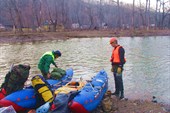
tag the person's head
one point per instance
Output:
(57, 53)
(113, 42)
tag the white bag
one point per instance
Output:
(8, 109)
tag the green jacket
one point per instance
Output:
(45, 61)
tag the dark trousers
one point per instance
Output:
(119, 89)
(44, 74)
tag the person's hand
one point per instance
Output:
(112, 69)
(56, 66)
(48, 75)
(119, 70)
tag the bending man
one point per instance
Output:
(45, 61)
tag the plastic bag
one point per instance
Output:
(8, 109)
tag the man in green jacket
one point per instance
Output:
(45, 61)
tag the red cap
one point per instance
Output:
(112, 40)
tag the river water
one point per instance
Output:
(146, 72)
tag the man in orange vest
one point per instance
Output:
(117, 60)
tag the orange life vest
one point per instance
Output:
(115, 58)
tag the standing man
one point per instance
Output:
(117, 60)
(45, 61)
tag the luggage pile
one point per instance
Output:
(56, 95)
(26, 98)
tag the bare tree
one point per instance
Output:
(64, 12)
(164, 13)
(169, 22)
(53, 15)
(100, 14)
(141, 13)
(37, 12)
(156, 13)
(11, 15)
(148, 20)
(146, 13)
(17, 14)
(90, 14)
(133, 13)
(77, 12)
(118, 13)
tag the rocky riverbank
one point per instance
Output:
(133, 106)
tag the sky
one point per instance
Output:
(152, 2)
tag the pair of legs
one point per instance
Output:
(44, 74)
(119, 89)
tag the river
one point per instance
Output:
(146, 72)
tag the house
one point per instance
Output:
(75, 25)
(2, 28)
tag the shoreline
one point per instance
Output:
(10, 37)
(132, 106)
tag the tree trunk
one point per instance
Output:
(156, 14)
(118, 12)
(163, 14)
(37, 13)
(133, 26)
(146, 14)
(18, 16)
(141, 14)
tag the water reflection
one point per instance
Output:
(146, 71)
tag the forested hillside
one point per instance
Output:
(84, 14)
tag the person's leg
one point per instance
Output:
(44, 74)
(116, 85)
(120, 86)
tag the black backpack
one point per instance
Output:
(15, 78)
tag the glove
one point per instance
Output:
(119, 70)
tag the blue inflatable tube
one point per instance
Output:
(25, 99)
(91, 95)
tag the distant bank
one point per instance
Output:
(10, 37)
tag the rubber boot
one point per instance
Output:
(121, 95)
